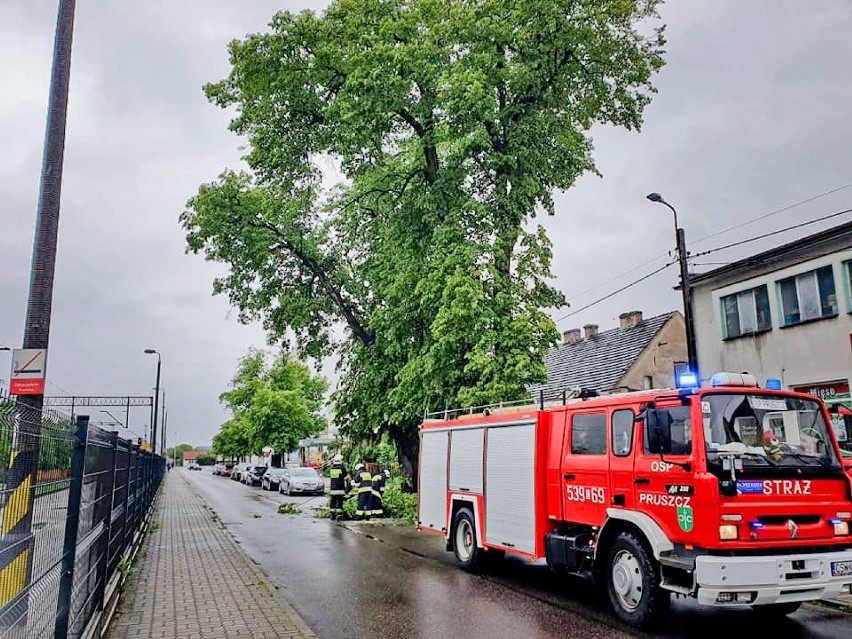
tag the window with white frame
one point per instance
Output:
(746, 312)
(808, 296)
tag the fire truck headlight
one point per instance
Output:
(728, 532)
(840, 527)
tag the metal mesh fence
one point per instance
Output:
(72, 498)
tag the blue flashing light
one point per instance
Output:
(834, 522)
(773, 384)
(756, 524)
(687, 379)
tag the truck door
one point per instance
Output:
(622, 435)
(662, 489)
(585, 468)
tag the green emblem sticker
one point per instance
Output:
(684, 518)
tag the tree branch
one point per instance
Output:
(346, 307)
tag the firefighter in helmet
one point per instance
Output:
(363, 483)
(378, 490)
(337, 488)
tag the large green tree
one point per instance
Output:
(275, 403)
(451, 124)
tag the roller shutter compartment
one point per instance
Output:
(510, 487)
(432, 486)
(466, 460)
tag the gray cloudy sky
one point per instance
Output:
(751, 115)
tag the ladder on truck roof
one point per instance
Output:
(563, 398)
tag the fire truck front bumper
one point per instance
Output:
(731, 581)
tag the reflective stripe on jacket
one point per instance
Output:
(337, 474)
(364, 481)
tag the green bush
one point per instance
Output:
(397, 503)
(350, 504)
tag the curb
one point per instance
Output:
(835, 604)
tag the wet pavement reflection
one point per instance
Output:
(357, 580)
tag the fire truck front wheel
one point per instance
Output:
(633, 583)
(468, 555)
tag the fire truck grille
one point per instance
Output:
(780, 520)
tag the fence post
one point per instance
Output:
(72, 524)
(125, 512)
(103, 565)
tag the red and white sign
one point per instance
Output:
(28, 366)
(827, 390)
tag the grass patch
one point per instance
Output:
(289, 509)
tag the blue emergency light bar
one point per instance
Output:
(687, 379)
(773, 384)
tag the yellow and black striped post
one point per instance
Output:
(14, 544)
(23, 424)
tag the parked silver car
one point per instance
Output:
(253, 474)
(301, 480)
(239, 469)
(272, 478)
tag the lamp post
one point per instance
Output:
(151, 351)
(680, 239)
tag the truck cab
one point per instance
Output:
(730, 494)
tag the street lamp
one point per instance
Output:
(151, 351)
(680, 238)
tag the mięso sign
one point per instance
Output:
(826, 391)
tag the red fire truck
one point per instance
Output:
(731, 494)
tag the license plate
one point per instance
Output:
(841, 568)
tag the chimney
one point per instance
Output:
(571, 336)
(591, 330)
(630, 319)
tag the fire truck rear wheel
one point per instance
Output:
(633, 583)
(468, 556)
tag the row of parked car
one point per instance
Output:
(287, 481)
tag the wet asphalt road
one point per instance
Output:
(352, 580)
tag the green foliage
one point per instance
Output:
(177, 452)
(275, 403)
(399, 502)
(206, 460)
(232, 440)
(125, 567)
(322, 512)
(288, 508)
(451, 123)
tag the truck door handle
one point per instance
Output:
(642, 480)
(570, 477)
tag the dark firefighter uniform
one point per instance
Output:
(377, 492)
(336, 490)
(363, 483)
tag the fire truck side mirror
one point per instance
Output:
(658, 430)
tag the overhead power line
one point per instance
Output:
(771, 213)
(616, 292)
(770, 234)
(712, 235)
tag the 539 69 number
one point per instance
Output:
(591, 494)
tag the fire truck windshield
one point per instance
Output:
(782, 435)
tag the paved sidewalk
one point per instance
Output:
(205, 584)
